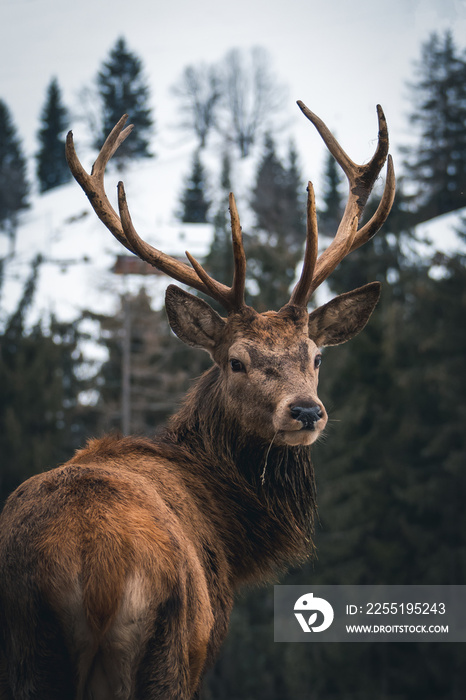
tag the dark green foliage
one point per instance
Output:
(391, 491)
(161, 367)
(52, 168)
(219, 261)
(295, 214)
(437, 163)
(392, 481)
(194, 202)
(41, 419)
(14, 186)
(275, 246)
(124, 90)
(333, 202)
(269, 194)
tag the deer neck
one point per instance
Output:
(262, 495)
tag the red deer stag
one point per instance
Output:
(118, 569)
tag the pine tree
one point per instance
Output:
(437, 164)
(269, 198)
(194, 202)
(52, 169)
(275, 246)
(42, 420)
(124, 90)
(330, 216)
(295, 211)
(14, 186)
(219, 259)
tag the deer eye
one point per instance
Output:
(317, 361)
(236, 365)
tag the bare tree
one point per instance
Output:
(199, 93)
(250, 96)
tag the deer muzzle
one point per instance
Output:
(299, 422)
(308, 415)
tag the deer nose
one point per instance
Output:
(308, 414)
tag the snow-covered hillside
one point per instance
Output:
(79, 252)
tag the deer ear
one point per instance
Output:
(192, 319)
(343, 317)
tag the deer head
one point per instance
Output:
(269, 362)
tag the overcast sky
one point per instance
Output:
(340, 57)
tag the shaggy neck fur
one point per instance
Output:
(264, 494)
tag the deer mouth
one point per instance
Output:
(300, 435)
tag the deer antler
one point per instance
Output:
(231, 298)
(361, 179)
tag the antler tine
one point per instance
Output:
(93, 184)
(239, 275)
(301, 292)
(330, 141)
(361, 179)
(383, 210)
(232, 299)
(172, 267)
(197, 277)
(330, 259)
(113, 141)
